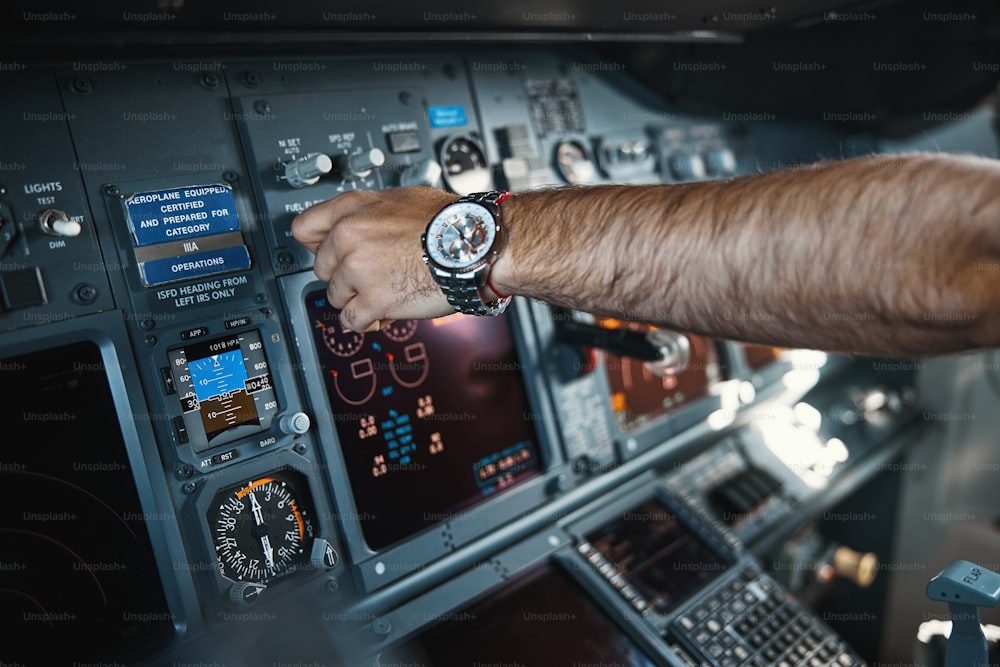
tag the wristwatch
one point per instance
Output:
(460, 246)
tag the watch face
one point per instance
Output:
(461, 235)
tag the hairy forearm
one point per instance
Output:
(880, 255)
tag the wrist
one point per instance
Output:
(502, 277)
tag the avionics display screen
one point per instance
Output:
(225, 388)
(541, 620)
(432, 416)
(639, 396)
(78, 582)
(657, 554)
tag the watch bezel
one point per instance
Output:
(470, 269)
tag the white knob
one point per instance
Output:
(323, 554)
(294, 424)
(360, 165)
(687, 167)
(307, 169)
(720, 161)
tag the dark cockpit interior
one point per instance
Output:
(202, 467)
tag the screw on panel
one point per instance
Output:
(405, 97)
(381, 626)
(210, 80)
(150, 340)
(183, 471)
(146, 324)
(266, 312)
(261, 298)
(285, 259)
(262, 106)
(251, 79)
(332, 586)
(189, 487)
(300, 448)
(230, 176)
(111, 190)
(85, 293)
(82, 85)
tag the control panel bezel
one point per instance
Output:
(204, 561)
(178, 447)
(377, 569)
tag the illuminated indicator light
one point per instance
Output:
(720, 419)
(618, 402)
(837, 450)
(808, 416)
(447, 319)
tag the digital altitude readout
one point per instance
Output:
(432, 416)
(225, 388)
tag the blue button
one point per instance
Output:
(158, 271)
(452, 115)
(161, 216)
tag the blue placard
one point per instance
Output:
(162, 216)
(169, 269)
(452, 115)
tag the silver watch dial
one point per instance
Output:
(461, 235)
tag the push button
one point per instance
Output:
(22, 289)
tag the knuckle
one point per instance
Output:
(352, 318)
(353, 198)
(344, 234)
(356, 264)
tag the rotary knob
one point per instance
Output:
(360, 165)
(861, 568)
(294, 424)
(323, 554)
(307, 169)
(687, 166)
(720, 161)
(244, 593)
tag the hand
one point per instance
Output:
(367, 246)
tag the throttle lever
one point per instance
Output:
(665, 352)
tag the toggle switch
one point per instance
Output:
(57, 223)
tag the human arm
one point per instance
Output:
(882, 255)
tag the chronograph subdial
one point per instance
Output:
(261, 531)
(340, 340)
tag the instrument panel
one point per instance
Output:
(281, 486)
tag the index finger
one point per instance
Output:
(313, 225)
